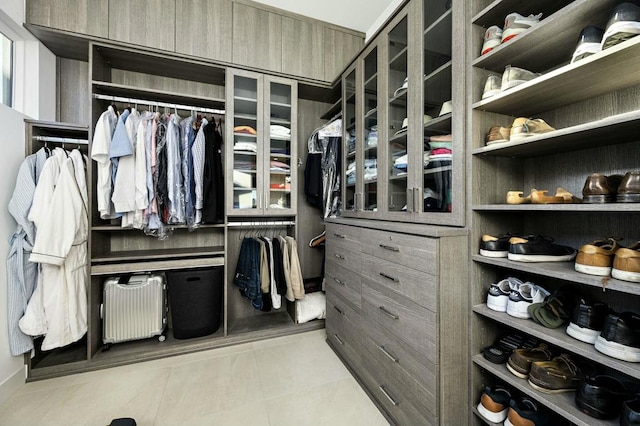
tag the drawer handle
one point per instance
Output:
(339, 235)
(389, 397)
(338, 281)
(384, 351)
(389, 277)
(338, 339)
(339, 256)
(392, 315)
(390, 248)
(339, 310)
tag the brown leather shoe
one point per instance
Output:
(596, 257)
(626, 264)
(519, 362)
(558, 375)
(497, 134)
(629, 189)
(599, 188)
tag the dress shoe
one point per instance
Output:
(497, 134)
(601, 397)
(626, 263)
(623, 24)
(523, 127)
(562, 197)
(630, 412)
(599, 188)
(596, 258)
(620, 337)
(629, 189)
(587, 320)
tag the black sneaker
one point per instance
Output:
(624, 23)
(499, 352)
(601, 397)
(620, 337)
(630, 412)
(526, 411)
(590, 42)
(587, 321)
(491, 246)
(539, 249)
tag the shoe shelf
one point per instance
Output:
(558, 337)
(576, 207)
(439, 125)
(589, 135)
(613, 69)
(485, 421)
(156, 265)
(562, 271)
(550, 42)
(495, 12)
(562, 403)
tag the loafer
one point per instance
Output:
(492, 39)
(596, 258)
(525, 412)
(623, 24)
(599, 188)
(514, 76)
(523, 127)
(497, 134)
(561, 374)
(587, 321)
(630, 412)
(492, 86)
(519, 362)
(539, 249)
(491, 246)
(494, 403)
(601, 397)
(515, 24)
(626, 263)
(620, 337)
(589, 42)
(499, 293)
(629, 188)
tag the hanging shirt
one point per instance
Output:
(100, 145)
(176, 205)
(124, 188)
(187, 138)
(197, 152)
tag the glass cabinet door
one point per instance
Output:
(246, 143)
(398, 86)
(370, 134)
(349, 141)
(280, 149)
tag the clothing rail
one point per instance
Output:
(57, 139)
(158, 104)
(262, 223)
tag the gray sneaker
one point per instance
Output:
(491, 86)
(514, 76)
(624, 23)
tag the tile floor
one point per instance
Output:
(292, 380)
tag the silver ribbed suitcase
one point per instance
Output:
(134, 307)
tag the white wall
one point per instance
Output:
(34, 97)
(393, 4)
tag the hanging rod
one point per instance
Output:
(57, 139)
(262, 223)
(158, 104)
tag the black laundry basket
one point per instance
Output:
(195, 301)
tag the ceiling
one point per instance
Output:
(359, 15)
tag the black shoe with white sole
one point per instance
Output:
(539, 249)
(620, 337)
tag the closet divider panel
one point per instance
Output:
(302, 44)
(78, 16)
(340, 47)
(149, 23)
(72, 87)
(257, 38)
(204, 28)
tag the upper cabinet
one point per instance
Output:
(261, 148)
(302, 45)
(203, 28)
(257, 37)
(150, 23)
(339, 49)
(78, 16)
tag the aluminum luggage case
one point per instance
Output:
(134, 307)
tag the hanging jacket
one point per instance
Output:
(213, 185)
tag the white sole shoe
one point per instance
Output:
(518, 309)
(489, 253)
(601, 271)
(625, 275)
(617, 351)
(583, 334)
(491, 416)
(540, 257)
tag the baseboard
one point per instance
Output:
(11, 385)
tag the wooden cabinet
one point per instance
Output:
(262, 152)
(395, 317)
(150, 23)
(84, 17)
(595, 133)
(204, 28)
(340, 47)
(257, 38)
(303, 48)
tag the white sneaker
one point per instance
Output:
(499, 292)
(515, 24)
(492, 38)
(526, 295)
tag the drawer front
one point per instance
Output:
(414, 252)
(342, 325)
(405, 319)
(344, 257)
(416, 285)
(391, 394)
(344, 281)
(343, 236)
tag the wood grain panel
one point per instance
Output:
(302, 47)
(257, 38)
(204, 28)
(149, 23)
(343, 281)
(73, 92)
(168, 84)
(79, 16)
(339, 49)
(407, 250)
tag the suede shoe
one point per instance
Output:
(630, 412)
(519, 362)
(629, 188)
(626, 264)
(561, 374)
(620, 337)
(589, 43)
(494, 403)
(599, 188)
(492, 86)
(587, 321)
(523, 127)
(525, 412)
(492, 38)
(601, 397)
(515, 24)
(596, 258)
(513, 76)
(539, 249)
(623, 24)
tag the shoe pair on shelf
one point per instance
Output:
(607, 258)
(521, 128)
(562, 196)
(623, 24)
(532, 248)
(498, 404)
(511, 77)
(514, 297)
(599, 188)
(514, 24)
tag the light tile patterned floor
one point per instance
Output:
(294, 380)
